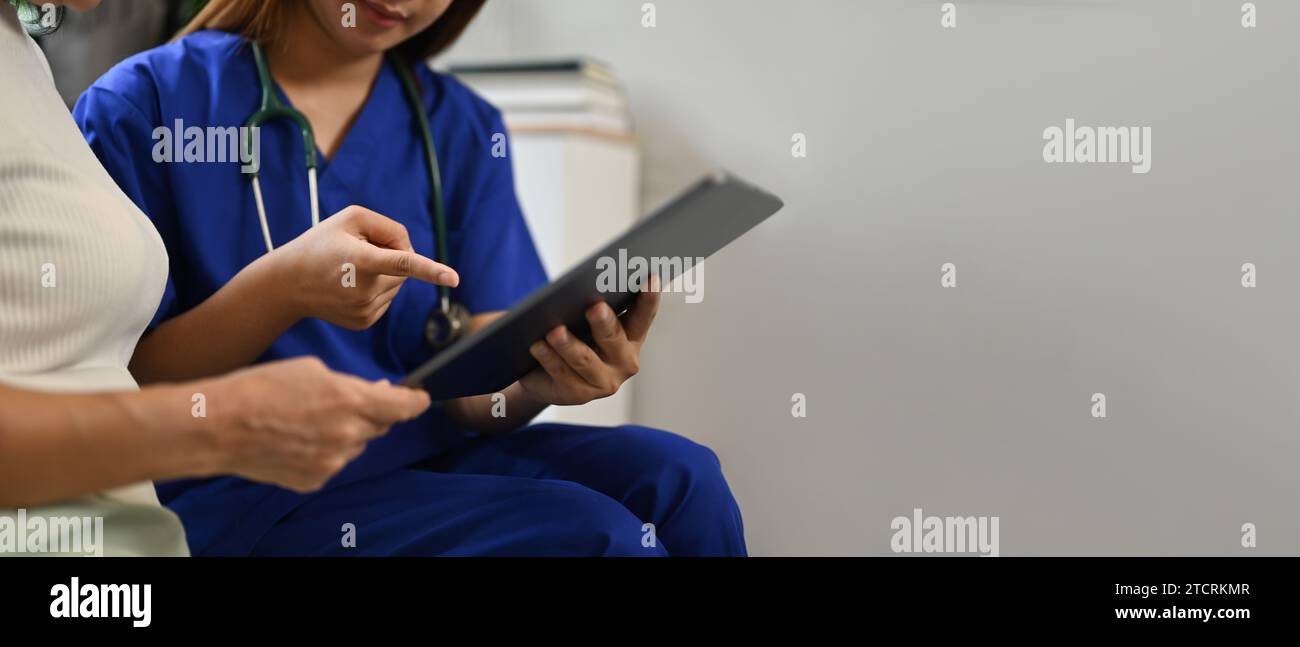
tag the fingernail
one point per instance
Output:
(600, 312)
(447, 278)
(559, 337)
(540, 349)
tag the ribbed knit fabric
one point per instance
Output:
(81, 273)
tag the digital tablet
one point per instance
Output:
(699, 222)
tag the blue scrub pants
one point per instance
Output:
(548, 489)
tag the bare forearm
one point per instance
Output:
(59, 446)
(482, 414)
(228, 331)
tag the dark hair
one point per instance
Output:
(261, 20)
(34, 20)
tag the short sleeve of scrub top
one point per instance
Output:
(205, 84)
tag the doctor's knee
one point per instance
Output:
(593, 524)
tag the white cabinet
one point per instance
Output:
(578, 191)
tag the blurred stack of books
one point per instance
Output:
(567, 95)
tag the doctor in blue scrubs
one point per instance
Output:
(458, 480)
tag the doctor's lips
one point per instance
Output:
(381, 15)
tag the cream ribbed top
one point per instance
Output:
(82, 271)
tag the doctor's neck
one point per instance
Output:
(305, 52)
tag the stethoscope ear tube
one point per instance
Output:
(431, 156)
(450, 321)
(272, 108)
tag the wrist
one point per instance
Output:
(270, 289)
(174, 416)
(525, 400)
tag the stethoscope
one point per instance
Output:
(449, 321)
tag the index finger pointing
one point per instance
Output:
(396, 262)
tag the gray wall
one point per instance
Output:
(925, 148)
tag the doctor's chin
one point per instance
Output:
(880, 281)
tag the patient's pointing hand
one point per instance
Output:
(347, 270)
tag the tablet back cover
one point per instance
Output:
(699, 222)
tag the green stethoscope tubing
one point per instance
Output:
(435, 173)
(273, 108)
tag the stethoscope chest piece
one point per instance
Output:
(446, 325)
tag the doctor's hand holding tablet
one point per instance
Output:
(572, 372)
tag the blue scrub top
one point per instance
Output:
(206, 215)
